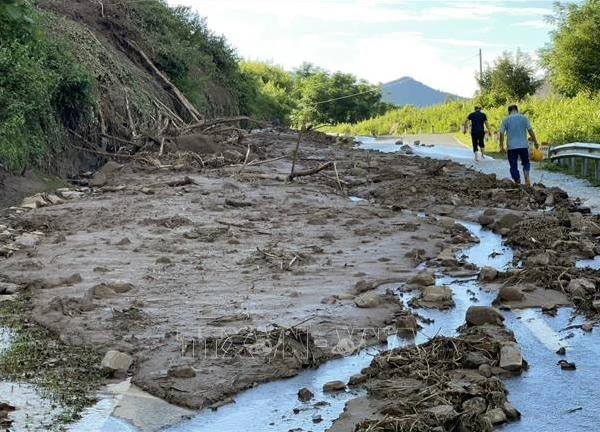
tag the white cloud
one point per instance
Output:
(536, 24)
(466, 43)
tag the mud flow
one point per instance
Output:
(379, 291)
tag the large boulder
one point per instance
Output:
(368, 300)
(480, 315)
(581, 286)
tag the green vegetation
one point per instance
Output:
(556, 120)
(572, 57)
(68, 375)
(510, 78)
(310, 95)
(41, 88)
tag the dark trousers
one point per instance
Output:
(513, 159)
(478, 140)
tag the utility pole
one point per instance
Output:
(480, 64)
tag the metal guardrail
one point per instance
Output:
(569, 154)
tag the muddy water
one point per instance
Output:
(446, 146)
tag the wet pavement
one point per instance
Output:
(447, 146)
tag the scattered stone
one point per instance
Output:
(474, 359)
(54, 199)
(181, 372)
(486, 220)
(124, 241)
(508, 221)
(485, 370)
(357, 379)
(423, 278)
(334, 386)
(407, 322)
(33, 202)
(476, 405)
(565, 365)
(345, 296)
(550, 309)
(542, 259)
(581, 286)
(330, 300)
(368, 300)
(511, 358)
(98, 180)
(490, 212)
(304, 395)
(496, 416)
(587, 327)
(443, 413)
(510, 294)
(116, 361)
(480, 315)
(511, 412)
(436, 296)
(561, 351)
(488, 274)
(163, 260)
(317, 419)
(596, 305)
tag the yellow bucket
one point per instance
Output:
(537, 155)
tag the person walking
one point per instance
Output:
(478, 121)
(515, 127)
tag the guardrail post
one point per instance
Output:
(573, 163)
(597, 169)
(585, 167)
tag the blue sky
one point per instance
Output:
(435, 42)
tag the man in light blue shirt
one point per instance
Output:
(516, 127)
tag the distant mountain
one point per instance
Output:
(408, 91)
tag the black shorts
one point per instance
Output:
(478, 141)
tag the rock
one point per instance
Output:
(334, 386)
(474, 359)
(330, 300)
(54, 199)
(357, 379)
(123, 242)
(510, 294)
(345, 296)
(596, 305)
(7, 288)
(110, 168)
(587, 327)
(480, 315)
(508, 221)
(407, 322)
(181, 372)
(476, 405)
(423, 278)
(33, 202)
(163, 260)
(443, 413)
(317, 418)
(561, 351)
(565, 365)
(488, 274)
(98, 180)
(511, 412)
(69, 194)
(580, 286)
(511, 358)
(407, 149)
(485, 370)
(304, 395)
(358, 172)
(486, 220)
(116, 361)
(542, 259)
(27, 240)
(368, 300)
(121, 286)
(496, 416)
(490, 212)
(437, 296)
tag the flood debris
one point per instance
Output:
(446, 383)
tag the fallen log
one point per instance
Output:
(309, 172)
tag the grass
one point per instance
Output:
(67, 375)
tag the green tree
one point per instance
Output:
(572, 57)
(326, 98)
(512, 77)
(272, 91)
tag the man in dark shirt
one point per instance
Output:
(478, 121)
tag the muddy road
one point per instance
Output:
(197, 283)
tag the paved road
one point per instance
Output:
(447, 146)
